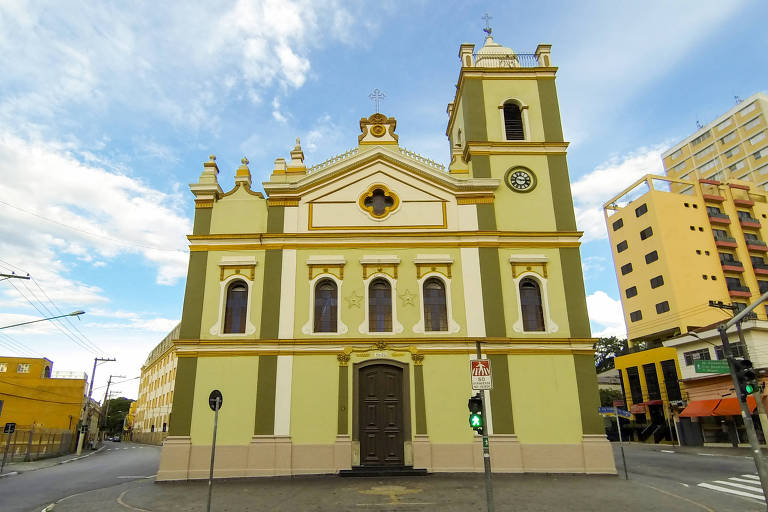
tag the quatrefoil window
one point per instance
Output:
(379, 201)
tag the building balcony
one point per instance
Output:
(725, 241)
(743, 202)
(749, 222)
(739, 291)
(732, 266)
(709, 182)
(713, 197)
(719, 218)
(757, 245)
(760, 269)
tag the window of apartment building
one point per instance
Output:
(662, 307)
(762, 170)
(757, 138)
(751, 124)
(701, 138)
(634, 384)
(646, 233)
(679, 167)
(718, 176)
(725, 124)
(758, 262)
(737, 349)
(704, 152)
(651, 256)
(733, 151)
(641, 210)
(695, 355)
(737, 166)
(626, 269)
(165, 427)
(636, 316)
(669, 373)
(3, 367)
(745, 216)
(720, 234)
(618, 224)
(746, 110)
(652, 381)
(631, 291)
(621, 246)
(728, 138)
(621, 381)
(22, 368)
(733, 283)
(676, 154)
(726, 257)
(760, 154)
(657, 281)
(763, 285)
(714, 211)
(751, 237)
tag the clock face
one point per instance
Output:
(520, 180)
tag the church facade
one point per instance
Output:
(338, 312)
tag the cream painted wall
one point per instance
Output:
(526, 91)
(239, 213)
(314, 399)
(235, 377)
(446, 390)
(551, 414)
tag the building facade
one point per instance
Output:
(339, 314)
(32, 395)
(150, 413)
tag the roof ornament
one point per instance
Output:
(487, 28)
(376, 96)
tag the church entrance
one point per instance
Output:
(380, 423)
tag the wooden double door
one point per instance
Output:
(380, 406)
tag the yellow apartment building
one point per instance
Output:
(153, 407)
(31, 394)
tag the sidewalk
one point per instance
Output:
(14, 468)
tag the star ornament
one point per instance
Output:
(354, 300)
(407, 298)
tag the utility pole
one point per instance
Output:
(105, 407)
(12, 275)
(746, 415)
(486, 451)
(84, 419)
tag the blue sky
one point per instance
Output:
(109, 109)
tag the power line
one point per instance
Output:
(39, 399)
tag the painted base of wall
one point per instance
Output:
(276, 455)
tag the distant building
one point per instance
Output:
(697, 234)
(32, 395)
(713, 414)
(151, 411)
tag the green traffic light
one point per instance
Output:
(750, 388)
(475, 420)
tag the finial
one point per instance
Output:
(244, 161)
(487, 28)
(212, 158)
(738, 99)
(298, 142)
(376, 96)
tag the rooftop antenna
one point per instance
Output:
(487, 28)
(699, 125)
(738, 99)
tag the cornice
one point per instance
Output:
(513, 148)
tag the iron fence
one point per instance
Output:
(28, 443)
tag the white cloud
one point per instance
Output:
(276, 114)
(592, 190)
(606, 316)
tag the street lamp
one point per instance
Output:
(74, 313)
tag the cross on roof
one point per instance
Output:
(487, 20)
(376, 96)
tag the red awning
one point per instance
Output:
(731, 406)
(654, 402)
(701, 408)
(637, 408)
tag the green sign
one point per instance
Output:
(706, 366)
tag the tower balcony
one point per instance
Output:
(719, 218)
(749, 222)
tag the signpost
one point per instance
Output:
(706, 366)
(9, 429)
(480, 370)
(215, 400)
(619, 413)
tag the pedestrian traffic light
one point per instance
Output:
(475, 405)
(746, 378)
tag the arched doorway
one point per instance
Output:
(382, 425)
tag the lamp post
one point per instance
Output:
(74, 313)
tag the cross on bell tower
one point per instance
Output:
(487, 20)
(376, 96)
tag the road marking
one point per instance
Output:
(684, 485)
(743, 480)
(132, 476)
(121, 502)
(731, 491)
(739, 486)
(707, 454)
(669, 451)
(753, 477)
(681, 498)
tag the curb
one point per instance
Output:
(9, 474)
(56, 464)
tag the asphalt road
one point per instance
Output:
(116, 464)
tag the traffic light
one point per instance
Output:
(746, 377)
(475, 405)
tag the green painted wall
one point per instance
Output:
(202, 224)
(183, 397)
(270, 299)
(266, 388)
(589, 399)
(575, 294)
(565, 219)
(550, 111)
(192, 313)
(236, 378)
(343, 409)
(314, 400)
(473, 109)
(493, 302)
(551, 414)
(501, 397)
(275, 219)
(486, 217)
(419, 405)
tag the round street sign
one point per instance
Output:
(214, 397)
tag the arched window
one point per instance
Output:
(47, 372)
(530, 300)
(237, 306)
(380, 306)
(513, 122)
(326, 306)
(435, 310)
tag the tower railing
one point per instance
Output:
(510, 60)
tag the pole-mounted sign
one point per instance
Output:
(215, 399)
(480, 370)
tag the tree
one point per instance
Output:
(605, 350)
(118, 408)
(607, 396)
